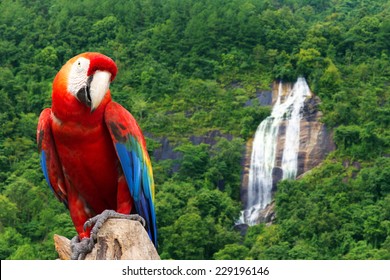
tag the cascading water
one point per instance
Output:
(265, 145)
(298, 95)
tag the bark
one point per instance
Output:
(118, 239)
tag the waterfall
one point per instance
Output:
(298, 96)
(287, 108)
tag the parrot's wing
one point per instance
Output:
(50, 163)
(130, 146)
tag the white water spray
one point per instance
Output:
(265, 145)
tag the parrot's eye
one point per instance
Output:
(82, 65)
(77, 78)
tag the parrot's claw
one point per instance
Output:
(80, 248)
(99, 220)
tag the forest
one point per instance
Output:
(187, 70)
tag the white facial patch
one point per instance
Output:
(78, 75)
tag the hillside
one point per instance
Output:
(188, 69)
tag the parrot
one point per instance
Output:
(93, 153)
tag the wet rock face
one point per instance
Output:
(277, 175)
(315, 139)
(264, 97)
(246, 164)
(165, 151)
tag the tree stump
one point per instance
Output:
(118, 239)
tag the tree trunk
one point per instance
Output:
(118, 239)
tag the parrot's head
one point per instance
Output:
(84, 79)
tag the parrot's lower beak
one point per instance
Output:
(84, 94)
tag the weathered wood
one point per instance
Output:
(62, 245)
(118, 239)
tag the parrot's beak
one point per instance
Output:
(95, 90)
(98, 87)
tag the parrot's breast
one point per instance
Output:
(89, 163)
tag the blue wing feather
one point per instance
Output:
(131, 150)
(145, 179)
(137, 175)
(131, 162)
(125, 161)
(44, 169)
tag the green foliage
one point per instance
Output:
(194, 161)
(232, 252)
(187, 70)
(9, 242)
(8, 211)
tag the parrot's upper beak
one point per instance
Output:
(93, 93)
(98, 87)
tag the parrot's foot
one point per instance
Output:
(99, 220)
(80, 248)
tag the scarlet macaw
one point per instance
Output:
(93, 153)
